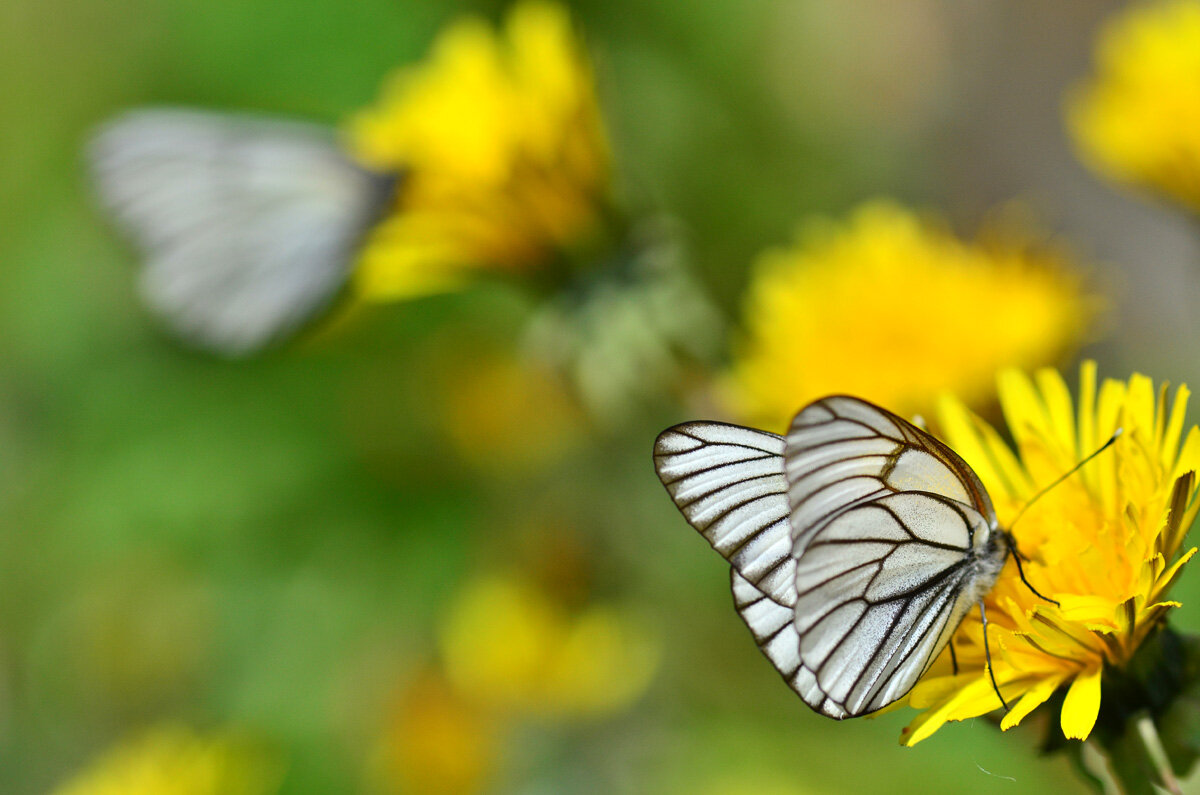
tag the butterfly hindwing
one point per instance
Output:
(876, 596)
(247, 227)
(728, 481)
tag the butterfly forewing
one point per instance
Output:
(858, 542)
(842, 451)
(247, 226)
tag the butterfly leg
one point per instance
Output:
(987, 653)
(1016, 553)
(953, 657)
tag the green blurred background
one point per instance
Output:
(269, 544)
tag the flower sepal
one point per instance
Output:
(634, 330)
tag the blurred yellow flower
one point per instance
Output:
(504, 162)
(176, 760)
(437, 742)
(897, 310)
(1137, 120)
(502, 412)
(509, 644)
(1106, 544)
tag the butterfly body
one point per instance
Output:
(857, 542)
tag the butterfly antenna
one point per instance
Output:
(1012, 541)
(1111, 440)
(987, 653)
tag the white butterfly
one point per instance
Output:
(248, 227)
(858, 542)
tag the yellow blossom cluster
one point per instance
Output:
(503, 160)
(1137, 118)
(508, 643)
(173, 759)
(896, 309)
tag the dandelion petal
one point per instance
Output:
(1031, 700)
(1081, 705)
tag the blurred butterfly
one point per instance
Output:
(858, 543)
(248, 227)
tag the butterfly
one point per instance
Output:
(858, 542)
(248, 227)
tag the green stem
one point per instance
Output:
(1155, 752)
(1094, 766)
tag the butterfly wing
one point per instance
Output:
(895, 539)
(842, 451)
(247, 226)
(860, 650)
(728, 481)
(852, 542)
(879, 591)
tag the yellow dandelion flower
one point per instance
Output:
(176, 760)
(499, 139)
(1107, 544)
(1137, 120)
(509, 644)
(897, 310)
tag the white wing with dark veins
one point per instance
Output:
(247, 227)
(728, 482)
(858, 542)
